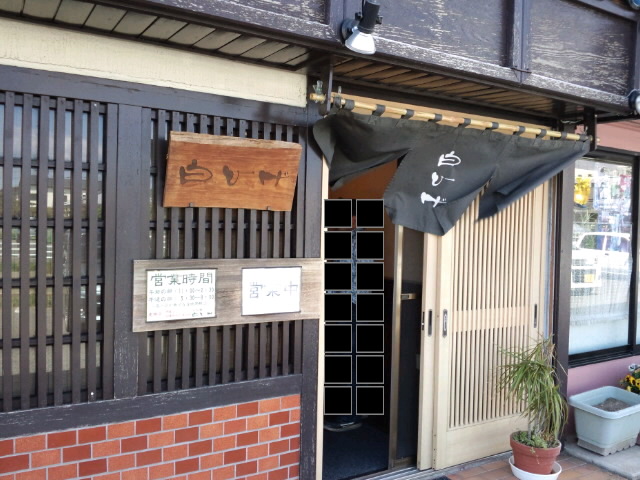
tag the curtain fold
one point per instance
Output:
(443, 168)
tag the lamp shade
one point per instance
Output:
(360, 42)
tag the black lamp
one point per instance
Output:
(634, 101)
(357, 32)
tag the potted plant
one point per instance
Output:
(529, 377)
(608, 418)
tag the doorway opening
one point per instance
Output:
(360, 445)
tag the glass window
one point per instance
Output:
(601, 257)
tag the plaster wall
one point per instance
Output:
(49, 48)
(623, 135)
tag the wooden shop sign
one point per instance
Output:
(170, 294)
(218, 171)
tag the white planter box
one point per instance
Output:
(606, 432)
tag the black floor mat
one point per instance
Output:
(354, 453)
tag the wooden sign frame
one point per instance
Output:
(229, 172)
(228, 286)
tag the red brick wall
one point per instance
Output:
(254, 441)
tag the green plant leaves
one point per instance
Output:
(530, 378)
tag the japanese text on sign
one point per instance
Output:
(180, 294)
(271, 290)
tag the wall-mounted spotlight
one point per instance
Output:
(634, 101)
(356, 33)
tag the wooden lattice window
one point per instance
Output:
(53, 176)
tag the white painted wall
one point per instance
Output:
(50, 48)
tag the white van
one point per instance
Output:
(604, 253)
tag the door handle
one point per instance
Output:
(407, 296)
(430, 326)
(445, 321)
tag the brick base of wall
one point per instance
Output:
(253, 441)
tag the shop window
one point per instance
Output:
(602, 258)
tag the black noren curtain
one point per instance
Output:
(443, 168)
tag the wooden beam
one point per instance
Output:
(610, 7)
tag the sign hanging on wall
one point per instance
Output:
(271, 290)
(180, 294)
(228, 172)
(170, 294)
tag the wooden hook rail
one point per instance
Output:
(451, 119)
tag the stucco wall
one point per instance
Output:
(624, 135)
(54, 49)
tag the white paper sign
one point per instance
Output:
(181, 294)
(271, 290)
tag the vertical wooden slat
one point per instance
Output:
(277, 215)
(275, 347)
(216, 212)
(226, 342)
(493, 350)
(190, 121)
(213, 354)
(92, 241)
(128, 248)
(251, 346)
(237, 362)
(262, 351)
(186, 357)
(285, 347)
(287, 214)
(253, 252)
(264, 223)
(228, 225)
(188, 212)
(200, 251)
(297, 346)
(41, 251)
(240, 226)
(253, 220)
(76, 258)
(109, 206)
(228, 213)
(174, 252)
(25, 292)
(7, 216)
(202, 212)
(143, 361)
(148, 342)
(159, 137)
(300, 202)
(198, 368)
(157, 361)
(58, 256)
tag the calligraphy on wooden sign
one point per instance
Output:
(228, 172)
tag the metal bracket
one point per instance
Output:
(326, 84)
(590, 126)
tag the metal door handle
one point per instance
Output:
(445, 321)
(407, 296)
(430, 326)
